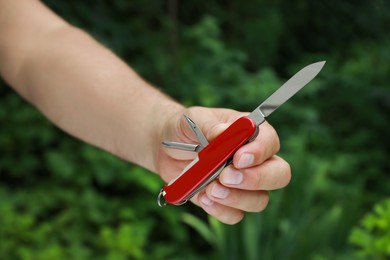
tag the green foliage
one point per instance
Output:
(61, 199)
(372, 236)
(310, 219)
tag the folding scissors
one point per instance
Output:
(213, 157)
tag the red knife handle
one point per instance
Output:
(210, 159)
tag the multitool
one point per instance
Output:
(213, 157)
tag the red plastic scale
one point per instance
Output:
(209, 160)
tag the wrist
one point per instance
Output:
(164, 117)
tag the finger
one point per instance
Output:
(223, 213)
(213, 122)
(249, 201)
(274, 173)
(259, 150)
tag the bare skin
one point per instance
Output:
(93, 95)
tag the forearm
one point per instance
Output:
(90, 93)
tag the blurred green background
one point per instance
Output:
(63, 199)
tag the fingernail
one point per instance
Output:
(232, 177)
(219, 191)
(245, 160)
(206, 201)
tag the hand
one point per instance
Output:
(241, 187)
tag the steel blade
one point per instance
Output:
(286, 91)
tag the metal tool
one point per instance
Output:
(215, 156)
(189, 147)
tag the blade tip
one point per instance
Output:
(320, 64)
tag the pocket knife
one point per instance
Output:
(213, 157)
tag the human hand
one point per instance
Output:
(242, 186)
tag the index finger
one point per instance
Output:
(265, 145)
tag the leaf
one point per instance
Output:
(201, 227)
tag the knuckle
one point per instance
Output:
(237, 198)
(227, 215)
(261, 201)
(275, 137)
(258, 180)
(233, 218)
(285, 172)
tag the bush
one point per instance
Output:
(61, 199)
(372, 236)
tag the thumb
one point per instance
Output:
(210, 127)
(212, 131)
